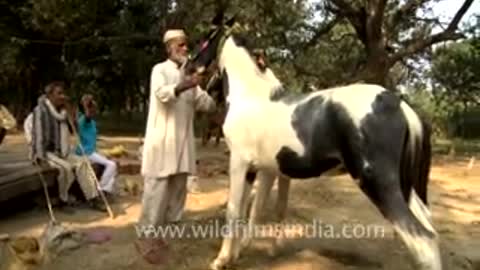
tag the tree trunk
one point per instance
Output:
(376, 69)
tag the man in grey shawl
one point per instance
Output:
(50, 146)
(7, 122)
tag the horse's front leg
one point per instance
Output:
(240, 186)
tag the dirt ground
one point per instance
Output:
(335, 201)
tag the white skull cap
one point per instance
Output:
(173, 33)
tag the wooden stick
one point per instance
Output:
(91, 171)
(94, 176)
(45, 190)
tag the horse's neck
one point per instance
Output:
(244, 78)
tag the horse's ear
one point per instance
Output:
(231, 21)
(218, 19)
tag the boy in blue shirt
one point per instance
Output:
(87, 131)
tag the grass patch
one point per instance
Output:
(461, 146)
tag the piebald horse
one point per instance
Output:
(218, 85)
(378, 137)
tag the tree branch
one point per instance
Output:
(434, 21)
(450, 33)
(458, 17)
(408, 8)
(319, 32)
(406, 13)
(357, 17)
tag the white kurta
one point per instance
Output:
(169, 128)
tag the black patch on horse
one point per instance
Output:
(241, 40)
(316, 123)
(386, 102)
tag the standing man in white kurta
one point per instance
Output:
(169, 147)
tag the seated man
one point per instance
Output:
(50, 146)
(7, 122)
(87, 129)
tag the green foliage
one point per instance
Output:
(456, 72)
(109, 47)
(436, 112)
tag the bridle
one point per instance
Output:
(224, 36)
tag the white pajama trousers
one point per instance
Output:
(69, 169)
(163, 200)
(107, 180)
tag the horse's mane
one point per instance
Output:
(240, 62)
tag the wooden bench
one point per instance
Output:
(18, 176)
(24, 179)
(127, 166)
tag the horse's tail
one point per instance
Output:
(416, 225)
(416, 157)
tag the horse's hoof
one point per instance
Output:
(272, 252)
(279, 218)
(219, 264)
(245, 242)
(278, 244)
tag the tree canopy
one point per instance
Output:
(109, 47)
(456, 72)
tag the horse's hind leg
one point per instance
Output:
(218, 134)
(282, 199)
(412, 224)
(265, 182)
(283, 183)
(240, 186)
(422, 242)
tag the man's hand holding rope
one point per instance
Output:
(188, 82)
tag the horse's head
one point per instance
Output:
(226, 48)
(206, 58)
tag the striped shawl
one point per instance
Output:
(49, 131)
